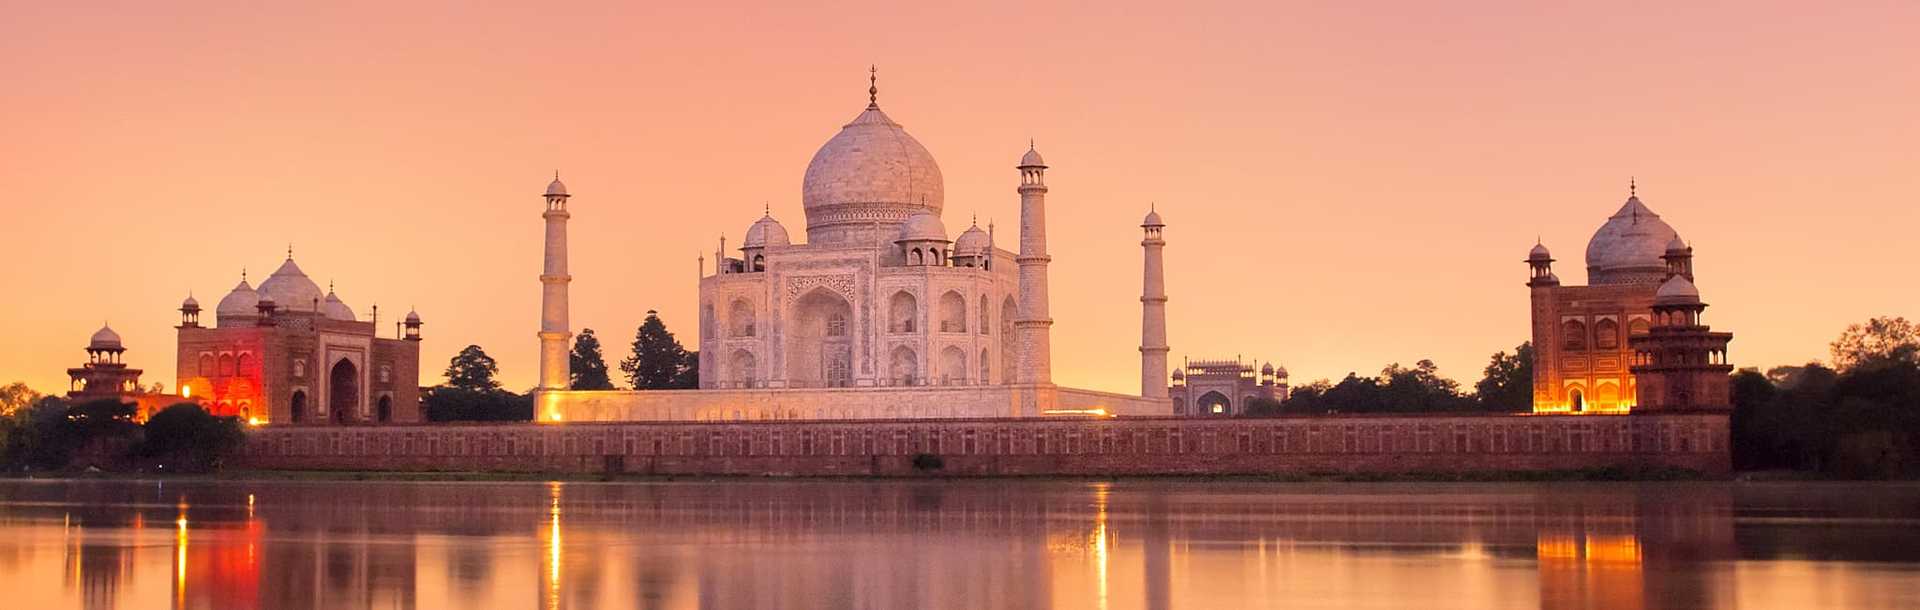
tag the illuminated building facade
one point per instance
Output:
(880, 313)
(287, 354)
(1584, 336)
(1223, 388)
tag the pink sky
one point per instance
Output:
(1346, 184)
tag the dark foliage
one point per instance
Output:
(587, 365)
(451, 403)
(659, 362)
(1506, 385)
(473, 369)
(186, 438)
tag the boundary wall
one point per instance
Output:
(1385, 444)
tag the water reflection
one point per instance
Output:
(1024, 544)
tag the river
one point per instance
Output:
(758, 543)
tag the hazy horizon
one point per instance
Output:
(1344, 186)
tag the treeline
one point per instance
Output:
(1859, 418)
(471, 392)
(52, 434)
(1505, 386)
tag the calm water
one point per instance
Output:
(970, 544)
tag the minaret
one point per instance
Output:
(1153, 311)
(1034, 325)
(554, 333)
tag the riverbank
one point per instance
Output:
(1587, 475)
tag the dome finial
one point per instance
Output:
(1633, 187)
(873, 87)
(289, 250)
(766, 209)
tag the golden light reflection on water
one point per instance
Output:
(1112, 546)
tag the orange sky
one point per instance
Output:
(1346, 184)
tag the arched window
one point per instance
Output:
(953, 312)
(913, 257)
(299, 407)
(902, 311)
(745, 368)
(1637, 327)
(226, 365)
(206, 365)
(1606, 334)
(1576, 400)
(953, 366)
(1573, 336)
(837, 325)
(985, 367)
(242, 363)
(1008, 342)
(385, 409)
(905, 366)
(984, 326)
(740, 318)
(759, 263)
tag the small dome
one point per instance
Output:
(242, 301)
(1267, 369)
(1032, 158)
(1153, 219)
(766, 232)
(556, 187)
(334, 309)
(290, 288)
(1677, 291)
(972, 242)
(1677, 246)
(190, 303)
(413, 317)
(1539, 252)
(923, 226)
(104, 338)
(1179, 374)
(1280, 372)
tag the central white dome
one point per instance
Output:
(1628, 248)
(867, 180)
(291, 289)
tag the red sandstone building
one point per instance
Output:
(1224, 388)
(287, 354)
(1595, 346)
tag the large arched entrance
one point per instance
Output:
(1215, 403)
(343, 392)
(820, 341)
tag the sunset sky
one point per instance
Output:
(1346, 184)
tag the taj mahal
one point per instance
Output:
(880, 314)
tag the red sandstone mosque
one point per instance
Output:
(1631, 340)
(286, 353)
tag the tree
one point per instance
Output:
(1879, 341)
(16, 396)
(190, 439)
(452, 403)
(1419, 389)
(588, 367)
(473, 369)
(1506, 385)
(689, 376)
(658, 361)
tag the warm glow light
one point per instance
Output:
(252, 421)
(1096, 412)
(186, 391)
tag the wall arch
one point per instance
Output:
(1573, 336)
(819, 348)
(903, 313)
(1214, 404)
(953, 312)
(903, 366)
(740, 318)
(953, 366)
(745, 369)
